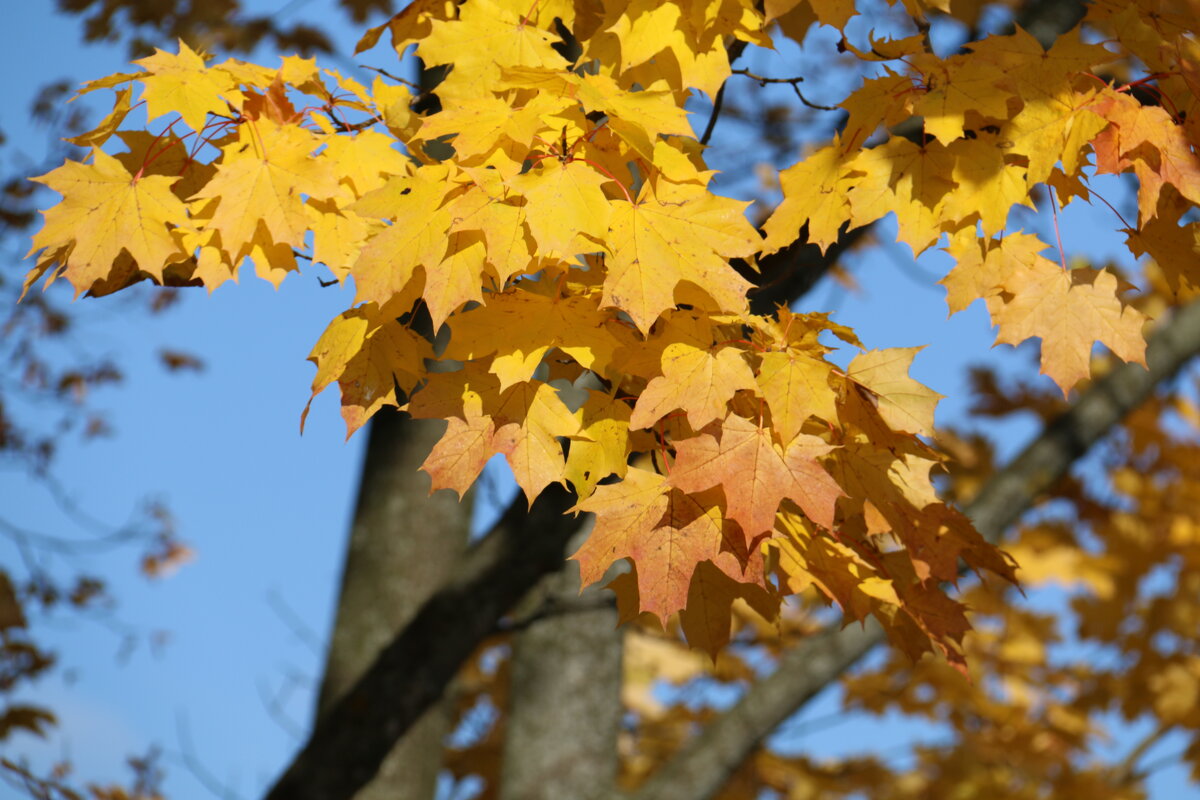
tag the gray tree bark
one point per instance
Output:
(564, 709)
(404, 544)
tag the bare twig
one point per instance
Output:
(793, 82)
(187, 753)
(294, 623)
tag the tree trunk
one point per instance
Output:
(565, 692)
(404, 544)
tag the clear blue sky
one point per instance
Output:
(266, 509)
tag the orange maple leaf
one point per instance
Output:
(757, 474)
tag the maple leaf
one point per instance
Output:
(668, 34)
(1069, 311)
(711, 595)
(461, 453)
(637, 117)
(883, 100)
(483, 124)
(954, 87)
(486, 37)
(180, 83)
(986, 185)
(1175, 249)
(365, 160)
(520, 326)
(697, 380)
(665, 544)
(814, 193)
(630, 509)
(108, 126)
(657, 243)
(412, 24)
(564, 204)
(388, 262)
(904, 404)
(256, 195)
(601, 448)
(795, 387)
(757, 474)
(984, 266)
(368, 353)
(835, 568)
(105, 211)
(911, 180)
(1052, 129)
(530, 417)
(1137, 131)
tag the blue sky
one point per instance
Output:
(267, 509)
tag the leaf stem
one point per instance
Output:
(1062, 256)
(611, 177)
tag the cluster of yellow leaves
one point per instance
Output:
(554, 220)
(998, 121)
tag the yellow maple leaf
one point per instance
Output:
(180, 83)
(365, 160)
(954, 86)
(602, 446)
(457, 278)
(814, 193)
(486, 37)
(530, 417)
(388, 262)
(656, 244)
(795, 387)
(885, 100)
(987, 186)
(757, 473)
(564, 204)
(696, 380)
(460, 455)
(260, 184)
(983, 266)
(520, 326)
(637, 117)
(106, 210)
(1070, 311)
(108, 126)
(1049, 129)
(904, 404)
(908, 179)
(481, 125)
(368, 353)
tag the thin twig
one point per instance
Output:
(395, 78)
(273, 703)
(793, 82)
(188, 754)
(716, 112)
(1127, 772)
(294, 623)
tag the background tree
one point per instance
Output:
(847, 600)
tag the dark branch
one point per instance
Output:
(410, 675)
(793, 82)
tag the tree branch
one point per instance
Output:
(411, 673)
(700, 769)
